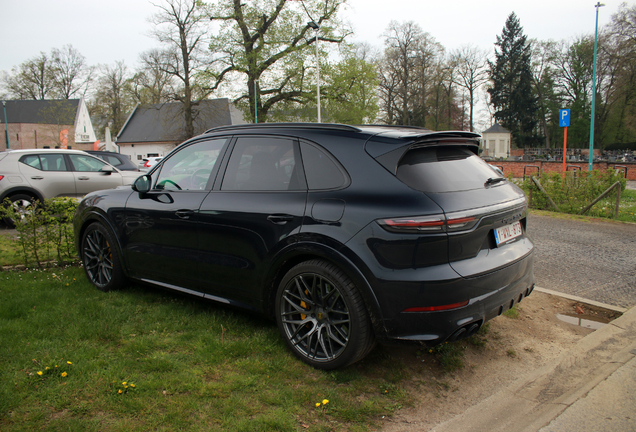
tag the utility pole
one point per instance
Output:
(591, 158)
(6, 124)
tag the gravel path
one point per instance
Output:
(594, 260)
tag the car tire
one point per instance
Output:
(22, 204)
(101, 259)
(322, 316)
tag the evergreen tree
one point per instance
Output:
(511, 92)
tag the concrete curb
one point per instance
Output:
(581, 300)
(534, 400)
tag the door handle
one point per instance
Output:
(37, 178)
(184, 214)
(83, 178)
(280, 219)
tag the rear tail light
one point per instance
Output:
(416, 224)
(430, 224)
(1, 177)
(147, 164)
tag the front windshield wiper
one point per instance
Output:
(491, 181)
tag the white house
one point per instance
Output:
(496, 142)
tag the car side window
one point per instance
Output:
(32, 161)
(320, 169)
(112, 160)
(263, 164)
(191, 167)
(86, 163)
(45, 162)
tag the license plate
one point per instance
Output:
(507, 233)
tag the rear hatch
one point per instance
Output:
(484, 215)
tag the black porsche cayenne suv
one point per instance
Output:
(345, 235)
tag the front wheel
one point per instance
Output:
(101, 259)
(322, 316)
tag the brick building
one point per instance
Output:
(63, 123)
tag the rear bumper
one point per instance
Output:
(489, 295)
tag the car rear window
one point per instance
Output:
(444, 169)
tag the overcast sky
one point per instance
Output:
(110, 30)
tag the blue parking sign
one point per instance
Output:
(564, 118)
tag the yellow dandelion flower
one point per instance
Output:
(119, 391)
(124, 383)
(64, 374)
(46, 368)
(66, 284)
(325, 401)
(317, 404)
(68, 362)
(40, 373)
(132, 385)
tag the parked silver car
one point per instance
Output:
(39, 174)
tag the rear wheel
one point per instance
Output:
(322, 316)
(101, 259)
(22, 206)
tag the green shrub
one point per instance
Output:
(574, 192)
(45, 232)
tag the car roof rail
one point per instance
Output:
(323, 126)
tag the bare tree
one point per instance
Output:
(180, 27)
(152, 84)
(31, 80)
(408, 72)
(112, 101)
(470, 72)
(71, 75)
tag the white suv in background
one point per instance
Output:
(147, 163)
(39, 174)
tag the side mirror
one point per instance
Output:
(142, 184)
(107, 169)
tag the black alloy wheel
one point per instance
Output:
(322, 317)
(100, 258)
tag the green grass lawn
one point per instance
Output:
(74, 358)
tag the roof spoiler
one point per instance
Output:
(389, 157)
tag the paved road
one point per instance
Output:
(594, 260)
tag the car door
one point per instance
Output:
(160, 235)
(253, 211)
(89, 176)
(49, 173)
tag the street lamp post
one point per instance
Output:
(255, 101)
(6, 125)
(598, 5)
(316, 27)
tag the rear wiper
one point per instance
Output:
(492, 181)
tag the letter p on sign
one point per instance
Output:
(564, 118)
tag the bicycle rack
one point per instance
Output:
(525, 169)
(622, 168)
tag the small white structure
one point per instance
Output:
(496, 142)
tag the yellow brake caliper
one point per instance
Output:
(304, 306)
